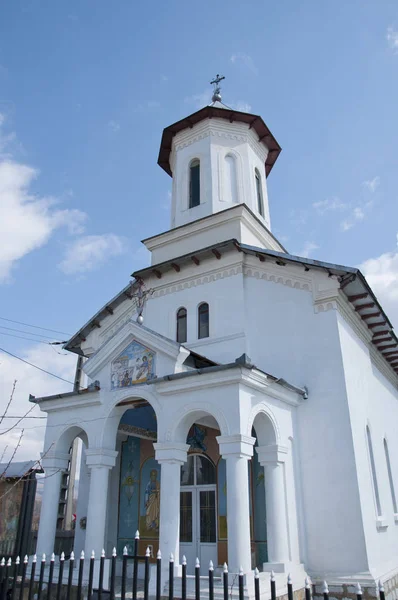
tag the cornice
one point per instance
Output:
(192, 281)
(286, 277)
(78, 401)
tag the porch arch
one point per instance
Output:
(183, 418)
(116, 411)
(265, 425)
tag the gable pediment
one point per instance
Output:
(133, 355)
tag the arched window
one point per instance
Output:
(181, 325)
(230, 179)
(373, 470)
(194, 183)
(393, 497)
(259, 192)
(203, 320)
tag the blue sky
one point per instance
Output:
(86, 89)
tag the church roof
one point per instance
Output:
(217, 111)
(352, 283)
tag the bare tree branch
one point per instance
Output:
(2, 476)
(9, 402)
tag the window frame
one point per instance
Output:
(193, 164)
(372, 464)
(390, 478)
(179, 319)
(259, 192)
(202, 306)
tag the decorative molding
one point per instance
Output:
(206, 407)
(216, 340)
(105, 335)
(285, 279)
(138, 432)
(193, 281)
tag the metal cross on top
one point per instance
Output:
(217, 90)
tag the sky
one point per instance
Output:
(86, 89)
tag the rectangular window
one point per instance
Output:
(186, 517)
(207, 516)
(194, 185)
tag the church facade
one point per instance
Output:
(243, 402)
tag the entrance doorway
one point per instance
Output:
(198, 515)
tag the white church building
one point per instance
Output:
(242, 404)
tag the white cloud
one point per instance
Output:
(245, 60)
(114, 126)
(27, 221)
(200, 100)
(308, 249)
(330, 204)
(298, 217)
(241, 106)
(357, 214)
(90, 252)
(372, 184)
(30, 381)
(382, 275)
(392, 39)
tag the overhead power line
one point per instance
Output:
(22, 337)
(35, 366)
(35, 326)
(48, 337)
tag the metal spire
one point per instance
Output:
(217, 89)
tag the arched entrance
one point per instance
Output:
(198, 511)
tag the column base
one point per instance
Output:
(276, 567)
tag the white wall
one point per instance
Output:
(374, 402)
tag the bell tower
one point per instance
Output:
(218, 158)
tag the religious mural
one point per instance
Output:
(150, 499)
(136, 364)
(196, 438)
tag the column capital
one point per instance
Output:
(237, 445)
(101, 457)
(271, 456)
(57, 461)
(171, 452)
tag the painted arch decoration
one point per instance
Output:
(135, 364)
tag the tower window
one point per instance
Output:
(203, 320)
(259, 192)
(194, 183)
(181, 325)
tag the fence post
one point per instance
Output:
(42, 567)
(256, 584)
(101, 575)
(171, 577)
(135, 571)
(289, 588)
(225, 580)
(70, 574)
(211, 581)
(325, 591)
(91, 576)
(113, 573)
(14, 582)
(80, 580)
(184, 579)
(158, 575)
(273, 586)
(60, 575)
(50, 577)
(146, 574)
(124, 573)
(241, 591)
(307, 589)
(358, 591)
(32, 577)
(197, 579)
(381, 591)
(24, 568)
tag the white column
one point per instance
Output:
(82, 504)
(99, 461)
(237, 450)
(53, 465)
(272, 458)
(170, 456)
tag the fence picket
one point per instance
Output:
(32, 577)
(381, 591)
(225, 581)
(307, 586)
(325, 591)
(70, 574)
(241, 590)
(171, 577)
(113, 573)
(289, 588)
(184, 579)
(60, 575)
(158, 575)
(24, 569)
(80, 580)
(256, 584)
(50, 577)
(91, 574)
(41, 577)
(211, 581)
(124, 573)
(14, 579)
(197, 579)
(146, 574)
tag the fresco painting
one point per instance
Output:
(150, 499)
(136, 364)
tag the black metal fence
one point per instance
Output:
(24, 581)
